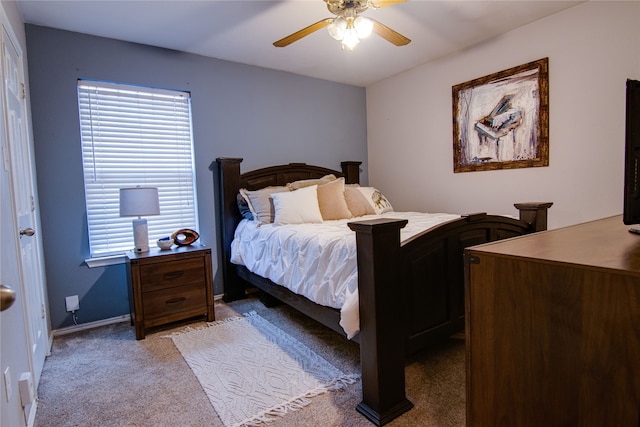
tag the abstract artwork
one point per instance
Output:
(501, 121)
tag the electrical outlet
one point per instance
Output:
(72, 303)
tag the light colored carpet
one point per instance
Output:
(253, 372)
(105, 377)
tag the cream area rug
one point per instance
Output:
(254, 372)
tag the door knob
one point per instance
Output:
(27, 232)
(7, 297)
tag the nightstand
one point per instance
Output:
(169, 285)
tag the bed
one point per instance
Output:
(415, 286)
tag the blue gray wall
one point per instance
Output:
(265, 116)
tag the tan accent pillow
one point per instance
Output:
(295, 185)
(332, 202)
(260, 202)
(356, 202)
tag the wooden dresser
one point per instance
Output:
(169, 285)
(553, 328)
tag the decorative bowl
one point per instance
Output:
(165, 243)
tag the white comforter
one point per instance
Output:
(317, 261)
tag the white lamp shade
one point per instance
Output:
(139, 201)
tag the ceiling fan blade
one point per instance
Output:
(388, 34)
(384, 3)
(302, 33)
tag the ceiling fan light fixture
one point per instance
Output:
(363, 26)
(350, 39)
(337, 28)
(348, 26)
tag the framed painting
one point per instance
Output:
(501, 121)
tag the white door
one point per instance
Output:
(14, 349)
(22, 197)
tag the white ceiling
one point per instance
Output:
(243, 31)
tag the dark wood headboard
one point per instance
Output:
(228, 181)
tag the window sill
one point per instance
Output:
(105, 261)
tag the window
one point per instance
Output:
(135, 136)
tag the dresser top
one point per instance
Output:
(175, 249)
(605, 243)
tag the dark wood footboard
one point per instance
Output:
(432, 271)
(411, 294)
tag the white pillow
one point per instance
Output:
(376, 199)
(297, 207)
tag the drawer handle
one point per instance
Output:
(173, 275)
(175, 301)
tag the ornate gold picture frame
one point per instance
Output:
(501, 121)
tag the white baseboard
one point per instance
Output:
(91, 325)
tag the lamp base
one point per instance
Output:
(140, 235)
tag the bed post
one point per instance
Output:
(534, 213)
(351, 171)
(228, 185)
(382, 331)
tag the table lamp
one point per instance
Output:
(139, 201)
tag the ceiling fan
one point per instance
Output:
(349, 26)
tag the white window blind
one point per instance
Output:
(134, 136)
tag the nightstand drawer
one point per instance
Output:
(171, 274)
(165, 302)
